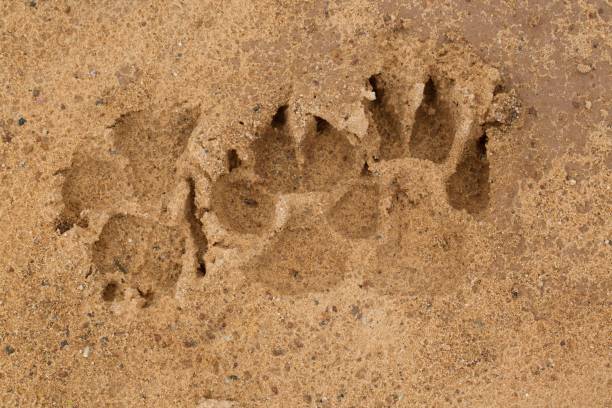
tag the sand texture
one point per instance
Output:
(233, 204)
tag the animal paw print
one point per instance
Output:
(305, 205)
(286, 195)
(122, 194)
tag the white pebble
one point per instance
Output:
(584, 68)
(86, 351)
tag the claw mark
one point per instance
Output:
(196, 228)
(468, 187)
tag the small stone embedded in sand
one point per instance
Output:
(369, 95)
(584, 68)
(231, 378)
(87, 352)
(9, 350)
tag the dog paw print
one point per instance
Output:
(282, 193)
(127, 197)
(304, 205)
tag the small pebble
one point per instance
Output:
(571, 182)
(63, 344)
(583, 68)
(22, 121)
(86, 351)
(9, 350)
(588, 105)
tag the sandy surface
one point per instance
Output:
(318, 204)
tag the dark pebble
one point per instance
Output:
(21, 121)
(515, 293)
(63, 343)
(9, 350)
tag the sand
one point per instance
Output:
(305, 204)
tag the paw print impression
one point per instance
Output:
(289, 195)
(136, 208)
(304, 205)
